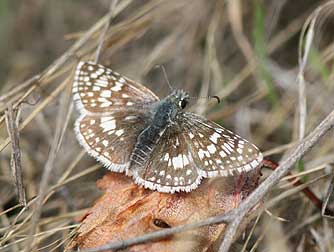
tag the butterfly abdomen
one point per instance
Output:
(149, 137)
(144, 146)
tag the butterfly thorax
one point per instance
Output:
(164, 115)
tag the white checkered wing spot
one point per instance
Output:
(97, 89)
(216, 150)
(170, 167)
(110, 138)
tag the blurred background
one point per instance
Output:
(245, 52)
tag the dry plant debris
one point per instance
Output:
(270, 62)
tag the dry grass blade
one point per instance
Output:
(235, 16)
(24, 85)
(39, 108)
(244, 248)
(329, 197)
(303, 56)
(61, 124)
(12, 120)
(112, 7)
(294, 190)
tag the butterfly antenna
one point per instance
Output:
(216, 97)
(207, 97)
(165, 75)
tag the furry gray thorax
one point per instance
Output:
(163, 115)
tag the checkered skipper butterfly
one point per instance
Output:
(129, 129)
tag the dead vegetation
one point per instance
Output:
(270, 62)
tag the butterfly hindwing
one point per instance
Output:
(170, 167)
(110, 138)
(218, 151)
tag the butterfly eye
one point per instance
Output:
(160, 223)
(183, 103)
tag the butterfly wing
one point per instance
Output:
(97, 89)
(170, 167)
(197, 148)
(216, 150)
(110, 138)
(113, 112)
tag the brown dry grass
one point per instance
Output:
(245, 52)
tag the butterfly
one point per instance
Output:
(127, 128)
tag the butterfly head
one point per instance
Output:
(179, 98)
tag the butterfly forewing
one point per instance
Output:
(110, 138)
(218, 151)
(97, 89)
(170, 167)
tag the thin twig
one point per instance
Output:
(106, 27)
(13, 132)
(224, 218)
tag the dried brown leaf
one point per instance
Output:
(126, 211)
